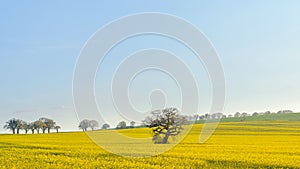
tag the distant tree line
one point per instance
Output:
(237, 114)
(42, 124)
(123, 125)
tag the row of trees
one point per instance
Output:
(237, 114)
(43, 124)
(84, 125)
(123, 125)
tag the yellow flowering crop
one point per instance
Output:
(263, 144)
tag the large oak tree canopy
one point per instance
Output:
(165, 123)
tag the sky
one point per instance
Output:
(257, 43)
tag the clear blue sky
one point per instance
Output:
(257, 42)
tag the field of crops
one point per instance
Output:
(254, 144)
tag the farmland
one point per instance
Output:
(246, 144)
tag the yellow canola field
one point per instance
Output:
(263, 144)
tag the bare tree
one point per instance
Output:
(32, 127)
(84, 124)
(237, 114)
(165, 123)
(56, 127)
(206, 116)
(201, 117)
(12, 125)
(105, 126)
(132, 123)
(25, 126)
(121, 125)
(39, 125)
(49, 124)
(19, 125)
(93, 124)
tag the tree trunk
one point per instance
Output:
(56, 130)
(14, 131)
(18, 131)
(165, 139)
(44, 130)
(26, 131)
(38, 131)
(48, 130)
(32, 131)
